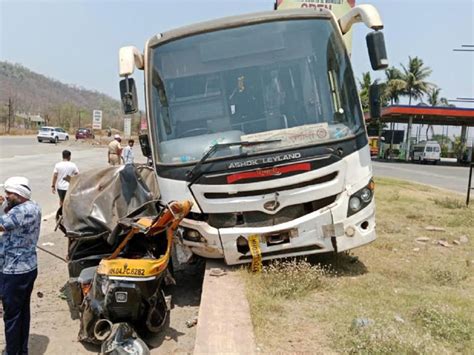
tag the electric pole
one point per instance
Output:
(10, 114)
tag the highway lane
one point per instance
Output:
(454, 178)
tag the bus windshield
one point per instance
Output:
(289, 81)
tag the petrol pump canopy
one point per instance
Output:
(447, 116)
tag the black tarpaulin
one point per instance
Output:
(96, 200)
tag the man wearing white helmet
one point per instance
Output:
(115, 151)
(21, 226)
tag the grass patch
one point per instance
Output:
(384, 338)
(291, 279)
(418, 295)
(448, 277)
(450, 203)
(444, 324)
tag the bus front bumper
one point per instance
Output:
(311, 234)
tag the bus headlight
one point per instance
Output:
(366, 194)
(361, 199)
(355, 203)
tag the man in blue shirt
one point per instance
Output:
(127, 153)
(21, 228)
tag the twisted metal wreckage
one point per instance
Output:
(120, 243)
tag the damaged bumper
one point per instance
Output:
(317, 232)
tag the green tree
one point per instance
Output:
(364, 85)
(414, 75)
(394, 85)
(434, 99)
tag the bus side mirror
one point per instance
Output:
(374, 101)
(128, 94)
(377, 52)
(145, 145)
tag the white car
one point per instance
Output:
(52, 134)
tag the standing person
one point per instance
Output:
(62, 175)
(128, 155)
(115, 151)
(21, 226)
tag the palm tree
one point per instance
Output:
(434, 99)
(414, 76)
(433, 96)
(394, 85)
(394, 88)
(364, 85)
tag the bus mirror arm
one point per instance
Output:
(129, 58)
(366, 13)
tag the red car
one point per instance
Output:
(84, 133)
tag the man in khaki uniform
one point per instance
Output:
(115, 151)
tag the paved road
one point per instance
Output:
(24, 156)
(454, 178)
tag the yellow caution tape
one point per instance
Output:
(254, 245)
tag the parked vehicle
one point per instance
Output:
(52, 134)
(374, 144)
(84, 133)
(428, 151)
(257, 121)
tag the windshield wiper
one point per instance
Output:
(194, 173)
(157, 82)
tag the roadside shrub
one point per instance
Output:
(293, 278)
(382, 338)
(445, 277)
(450, 203)
(443, 324)
(415, 216)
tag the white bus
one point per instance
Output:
(427, 151)
(257, 121)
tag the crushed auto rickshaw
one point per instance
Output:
(120, 242)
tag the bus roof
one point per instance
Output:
(237, 21)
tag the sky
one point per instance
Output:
(77, 41)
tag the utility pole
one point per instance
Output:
(10, 114)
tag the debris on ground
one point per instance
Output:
(435, 229)
(361, 322)
(215, 271)
(47, 244)
(399, 319)
(416, 249)
(192, 322)
(444, 243)
(464, 239)
(457, 242)
(422, 239)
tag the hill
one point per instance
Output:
(60, 104)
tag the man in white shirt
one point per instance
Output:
(127, 154)
(62, 175)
